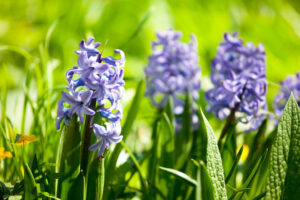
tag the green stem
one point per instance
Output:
(86, 140)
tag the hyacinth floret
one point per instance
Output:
(99, 80)
(239, 79)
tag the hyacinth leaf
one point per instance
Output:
(132, 113)
(257, 148)
(228, 152)
(283, 180)
(96, 175)
(139, 169)
(166, 138)
(153, 160)
(180, 175)
(68, 160)
(260, 180)
(206, 186)
(252, 175)
(198, 192)
(213, 160)
(260, 196)
(184, 140)
(165, 148)
(30, 189)
(234, 166)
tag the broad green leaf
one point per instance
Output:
(180, 175)
(95, 179)
(68, 160)
(284, 175)
(213, 159)
(206, 185)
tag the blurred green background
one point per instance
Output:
(43, 34)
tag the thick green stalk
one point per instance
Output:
(86, 140)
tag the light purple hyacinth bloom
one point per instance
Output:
(100, 81)
(79, 103)
(290, 84)
(173, 70)
(239, 79)
(106, 136)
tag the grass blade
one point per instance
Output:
(139, 169)
(30, 190)
(180, 175)
(235, 164)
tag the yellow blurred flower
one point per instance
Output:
(5, 154)
(245, 151)
(24, 139)
(22, 169)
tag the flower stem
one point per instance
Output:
(86, 139)
(229, 121)
(230, 118)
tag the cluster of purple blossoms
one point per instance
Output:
(95, 87)
(290, 84)
(172, 71)
(239, 79)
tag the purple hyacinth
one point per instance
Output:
(290, 84)
(106, 136)
(79, 103)
(239, 79)
(99, 80)
(173, 70)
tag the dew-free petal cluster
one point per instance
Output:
(99, 80)
(290, 84)
(239, 79)
(173, 70)
(106, 136)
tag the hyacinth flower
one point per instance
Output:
(95, 81)
(106, 136)
(172, 71)
(239, 82)
(290, 84)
